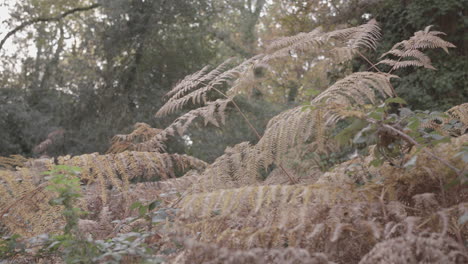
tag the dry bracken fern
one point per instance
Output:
(408, 51)
(142, 132)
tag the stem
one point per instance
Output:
(390, 71)
(291, 178)
(246, 119)
(368, 61)
(414, 142)
(377, 69)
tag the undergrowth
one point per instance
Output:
(353, 176)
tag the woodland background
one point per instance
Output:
(83, 78)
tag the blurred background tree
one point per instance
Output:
(96, 72)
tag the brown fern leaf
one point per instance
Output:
(12, 162)
(189, 82)
(147, 191)
(213, 113)
(99, 229)
(283, 42)
(118, 170)
(198, 96)
(230, 170)
(357, 88)
(196, 252)
(411, 49)
(354, 38)
(295, 127)
(142, 132)
(24, 206)
(460, 113)
(201, 77)
(363, 36)
(431, 248)
(345, 42)
(301, 42)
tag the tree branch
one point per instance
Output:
(46, 19)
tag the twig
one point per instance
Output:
(414, 142)
(377, 69)
(45, 19)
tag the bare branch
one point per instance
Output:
(46, 19)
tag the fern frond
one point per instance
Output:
(189, 82)
(146, 191)
(12, 161)
(142, 132)
(345, 42)
(302, 42)
(198, 96)
(454, 123)
(284, 42)
(210, 113)
(118, 170)
(213, 113)
(197, 252)
(201, 77)
(24, 206)
(350, 40)
(411, 49)
(295, 127)
(460, 112)
(100, 228)
(407, 63)
(357, 88)
(363, 36)
(432, 248)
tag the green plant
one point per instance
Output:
(64, 181)
(71, 246)
(11, 246)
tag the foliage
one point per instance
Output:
(65, 183)
(379, 178)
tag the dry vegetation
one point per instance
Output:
(253, 205)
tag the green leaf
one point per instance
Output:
(376, 162)
(153, 205)
(414, 124)
(376, 115)
(142, 210)
(135, 205)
